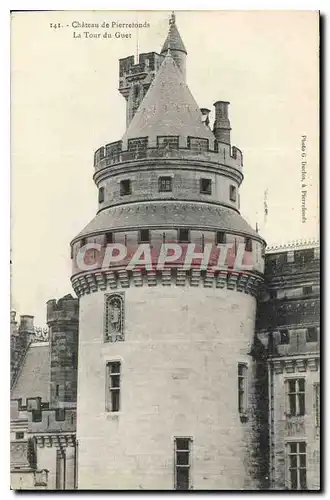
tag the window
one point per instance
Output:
(273, 294)
(113, 389)
(19, 435)
(290, 256)
(109, 238)
(317, 404)
(182, 463)
(221, 237)
(60, 414)
(57, 390)
(232, 193)
(184, 236)
(311, 334)
(242, 380)
(296, 396)
(165, 184)
(307, 290)
(144, 236)
(297, 466)
(36, 416)
(41, 477)
(205, 186)
(284, 337)
(248, 244)
(82, 242)
(101, 195)
(125, 187)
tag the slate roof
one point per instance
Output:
(168, 108)
(34, 377)
(173, 40)
(162, 214)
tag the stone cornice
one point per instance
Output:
(297, 364)
(111, 279)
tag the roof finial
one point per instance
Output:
(172, 18)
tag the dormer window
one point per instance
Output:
(125, 187)
(168, 141)
(138, 145)
(205, 186)
(232, 193)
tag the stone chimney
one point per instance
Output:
(222, 128)
(26, 323)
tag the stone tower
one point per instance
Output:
(166, 374)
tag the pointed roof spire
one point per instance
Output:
(173, 40)
(168, 108)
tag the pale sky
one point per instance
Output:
(65, 105)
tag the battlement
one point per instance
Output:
(298, 259)
(65, 310)
(147, 62)
(168, 147)
(18, 409)
(52, 420)
(42, 418)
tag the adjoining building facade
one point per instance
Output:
(171, 378)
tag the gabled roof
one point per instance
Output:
(173, 40)
(168, 108)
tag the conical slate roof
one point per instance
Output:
(168, 108)
(173, 40)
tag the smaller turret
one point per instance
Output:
(222, 128)
(174, 44)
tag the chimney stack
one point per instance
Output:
(205, 116)
(27, 324)
(222, 128)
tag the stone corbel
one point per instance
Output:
(289, 366)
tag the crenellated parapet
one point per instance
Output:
(63, 310)
(168, 147)
(45, 427)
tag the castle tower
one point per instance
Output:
(62, 319)
(166, 377)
